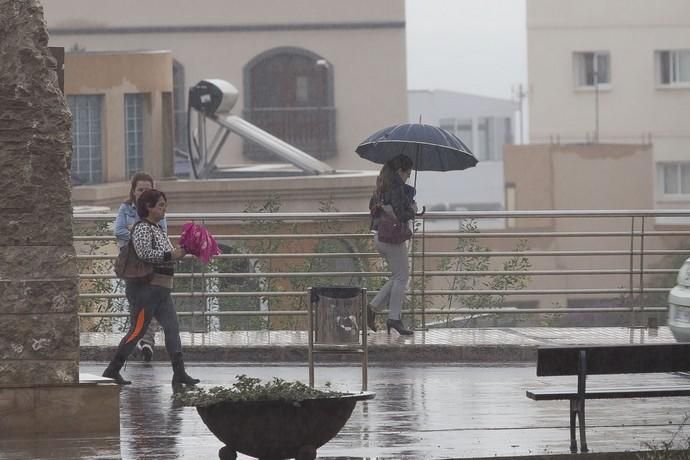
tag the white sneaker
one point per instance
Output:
(146, 351)
(136, 353)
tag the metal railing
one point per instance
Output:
(525, 263)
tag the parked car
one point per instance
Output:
(679, 305)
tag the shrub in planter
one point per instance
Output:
(273, 420)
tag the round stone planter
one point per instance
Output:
(271, 430)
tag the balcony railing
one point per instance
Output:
(310, 129)
(595, 266)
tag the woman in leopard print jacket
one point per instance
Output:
(152, 297)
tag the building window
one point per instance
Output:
(87, 152)
(288, 92)
(448, 124)
(302, 90)
(592, 68)
(461, 128)
(483, 145)
(134, 133)
(674, 67)
(674, 178)
(492, 133)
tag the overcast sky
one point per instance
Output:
(471, 46)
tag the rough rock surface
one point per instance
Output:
(39, 337)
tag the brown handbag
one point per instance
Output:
(128, 266)
(392, 231)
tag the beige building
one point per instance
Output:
(578, 176)
(320, 75)
(349, 191)
(122, 123)
(615, 71)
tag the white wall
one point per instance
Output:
(475, 189)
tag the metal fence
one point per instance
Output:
(465, 266)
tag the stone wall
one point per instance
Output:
(39, 330)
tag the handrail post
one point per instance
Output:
(365, 346)
(423, 274)
(204, 292)
(633, 314)
(310, 336)
(413, 297)
(641, 296)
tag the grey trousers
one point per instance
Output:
(393, 292)
(151, 302)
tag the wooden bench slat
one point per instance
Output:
(614, 359)
(552, 394)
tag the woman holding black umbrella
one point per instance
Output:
(432, 149)
(392, 200)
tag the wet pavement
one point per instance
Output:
(499, 344)
(421, 411)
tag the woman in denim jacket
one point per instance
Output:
(126, 218)
(397, 199)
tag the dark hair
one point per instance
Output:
(147, 200)
(138, 177)
(391, 167)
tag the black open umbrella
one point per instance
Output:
(429, 147)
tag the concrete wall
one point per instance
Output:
(349, 192)
(581, 177)
(363, 41)
(432, 105)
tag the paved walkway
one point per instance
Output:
(441, 409)
(431, 346)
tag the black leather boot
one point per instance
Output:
(180, 377)
(398, 326)
(113, 371)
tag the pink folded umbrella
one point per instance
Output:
(196, 240)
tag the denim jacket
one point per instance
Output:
(127, 215)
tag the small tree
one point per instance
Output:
(481, 263)
(99, 285)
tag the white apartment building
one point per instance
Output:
(616, 71)
(485, 125)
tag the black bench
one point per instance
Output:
(603, 359)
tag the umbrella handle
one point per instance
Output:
(422, 212)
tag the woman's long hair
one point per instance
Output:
(389, 169)
(138, 177)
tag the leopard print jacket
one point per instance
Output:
(152, 245)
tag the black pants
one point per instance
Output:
(151, 302)
(150, 334)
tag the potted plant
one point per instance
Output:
(273, 420)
